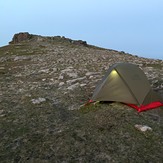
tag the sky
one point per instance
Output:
(132, 26)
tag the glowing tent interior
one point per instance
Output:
(127, 83)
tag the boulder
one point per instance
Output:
(19, 37)
(79, 42)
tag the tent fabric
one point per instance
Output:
(127, 83)
(152, 105)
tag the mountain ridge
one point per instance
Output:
(45, 80)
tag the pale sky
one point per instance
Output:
(132, 26)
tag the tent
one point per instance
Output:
(127, 83)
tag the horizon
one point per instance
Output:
(133, 27)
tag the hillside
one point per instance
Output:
(45, 80)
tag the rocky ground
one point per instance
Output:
(45, 80)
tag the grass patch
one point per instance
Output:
(88, 108)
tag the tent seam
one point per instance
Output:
(127, 86)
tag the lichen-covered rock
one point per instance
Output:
(19, 37)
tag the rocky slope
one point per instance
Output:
(45, 80)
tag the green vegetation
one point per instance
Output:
(102, 132)
(54, 129)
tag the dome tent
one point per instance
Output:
(127, 83)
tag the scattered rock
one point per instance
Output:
(69, 69)
(51, 68)
(44, 71)
(73, 107)
(82, 85)
(91, 77)
(61, 84)
(72, 75)
(75, 80)
(143, 128)
(2, 113)
(38, 101)
(21, 58)
(54, 69)
(2, 68)
(91, 73)
(60, 77)
(74, 86)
